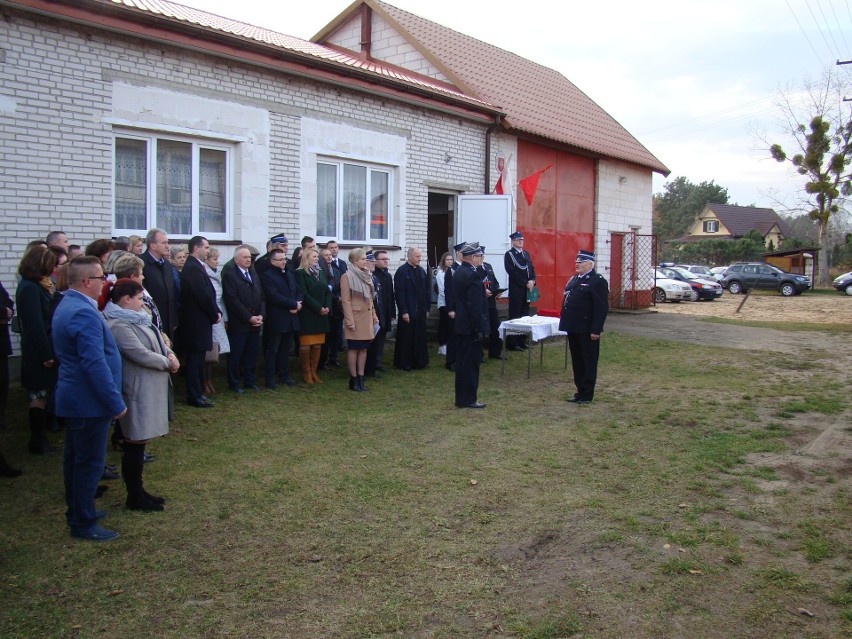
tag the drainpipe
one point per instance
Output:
(488, 133)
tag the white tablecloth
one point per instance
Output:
(538, 327)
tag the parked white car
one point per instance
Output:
(669, 290)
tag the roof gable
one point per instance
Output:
(167, 21)
(537, 100)
(739, 220)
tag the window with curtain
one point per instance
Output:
(181, 186)
(711, 226)
(353, 202)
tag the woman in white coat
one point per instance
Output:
(146, 364)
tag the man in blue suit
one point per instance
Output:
(88, 393)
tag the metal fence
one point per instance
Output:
(632, 261)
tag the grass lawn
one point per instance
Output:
(315, 512)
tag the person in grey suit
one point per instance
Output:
(146, 362)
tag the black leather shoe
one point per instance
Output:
(583, 401)
(254, 387)
(287, 382)
(147, 457)
(237, 390)
(573, 400)
(200, 403)
(474, 405)
(108, 474)
(450, 367)
(334, 363)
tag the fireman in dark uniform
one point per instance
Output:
(584, 308)
(470, 326)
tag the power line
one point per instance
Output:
(839, 28)
(804, 33)
(818, 28)
(828, 26)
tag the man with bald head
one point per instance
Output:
(411, 290)
(241, 293)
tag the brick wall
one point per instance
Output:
(623, 204)
(57, 87)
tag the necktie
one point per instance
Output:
(247, 276)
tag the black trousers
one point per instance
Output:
(194, 367)
(276, 351)
(375, 352)
(468, 358)
(584, 361)
(495, 344)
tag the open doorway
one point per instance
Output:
(441, 226)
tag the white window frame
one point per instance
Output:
(197, 144)
(339, 163)
(711, 226)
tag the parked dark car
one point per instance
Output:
(747, 276)
(701, 289)
(844, 283)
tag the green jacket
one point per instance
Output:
(317, 295)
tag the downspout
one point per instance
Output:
(488, 133)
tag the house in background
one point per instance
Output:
(731, 222)
(598, 191)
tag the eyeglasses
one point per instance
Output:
(96, 277)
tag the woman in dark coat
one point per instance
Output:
(7, 309)
(38, 366)
(313, 318)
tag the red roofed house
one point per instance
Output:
(600, 182)
(728, 221)
(118, 116)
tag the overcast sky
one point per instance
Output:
(690, 79)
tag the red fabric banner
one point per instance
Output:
(529, 184)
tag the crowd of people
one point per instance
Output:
(103, 331)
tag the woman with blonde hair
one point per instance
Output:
(359, 315)
(220, 335)
(313, 318)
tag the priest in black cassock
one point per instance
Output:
(411, 290)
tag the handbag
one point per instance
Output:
(15, 324)
(212, 356)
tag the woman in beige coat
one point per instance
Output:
(146, 362)
(359, 315)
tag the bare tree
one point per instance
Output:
(823, 152)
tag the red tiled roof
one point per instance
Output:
(739, 220)
(536, 99)
(305, 49)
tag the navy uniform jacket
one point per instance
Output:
(471, 311)
(520, 269)
(585, 304)
(282, 296)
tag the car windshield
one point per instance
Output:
(684, 273)
(662, 276)
(703, 270)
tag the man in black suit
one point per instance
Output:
(450, 363)
(519, 268)
(198, 313)
(385, 304)
(283, 303)
(339, 266)
(160, 279)
(242, 295)
(584, 309)
(470, 325)
(411, 290)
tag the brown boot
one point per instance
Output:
(305, 361)
(315, 357)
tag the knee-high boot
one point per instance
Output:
(39, 444)
(305, 361)
(132, 463)
(315, 358)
